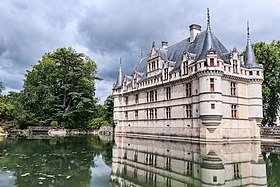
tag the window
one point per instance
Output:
(165, 73)
(235, 70)
(225, 68)
(185, 67)
(212, 85)
(188, 89)
(168, 93)
(189, 171)
(136, 114)
(250, 73)
(212, 106)
(136, 98)
(168, 163)
(211, 61)
(157, 64)
(205, 63)
(126, 100)
(168, 112)
(236, 171)
(215, 178)
(155, 113)
(234, 111)
(126, 114)
(135, 173)
(147, 114)
(233, 88)
(228, 69)
(188, 111)
(218, 63)
(151, 113)
(258, 73)
(151, 96)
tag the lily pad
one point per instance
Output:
(26, 174)
(68, 177)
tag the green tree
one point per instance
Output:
(109, 108)
(269, 56)
(2, 87)
(61, 88)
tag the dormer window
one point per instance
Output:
(235, 69)
(165, 73)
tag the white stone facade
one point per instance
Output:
(191, 90)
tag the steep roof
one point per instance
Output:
(250, 59)
(120, 77)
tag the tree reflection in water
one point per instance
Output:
(52, 162)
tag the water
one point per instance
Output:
(89, 161)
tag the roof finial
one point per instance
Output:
(208, 19)
(141, 54)
(154, 44)
(120, 61)
(248, 33)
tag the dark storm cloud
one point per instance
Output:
(107, 30)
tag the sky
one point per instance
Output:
(107, 30)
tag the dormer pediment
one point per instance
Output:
(154, 51)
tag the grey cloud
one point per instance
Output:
(107, 30)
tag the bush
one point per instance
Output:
(96, 123)
(54, 124)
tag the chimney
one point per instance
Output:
(164, 44)
(194, 30)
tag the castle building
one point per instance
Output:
(194, 89)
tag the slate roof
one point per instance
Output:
(120, 78)
(250, 59)
(197, 50)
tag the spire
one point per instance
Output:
(208, 20)
(208, 42)
(120, 76)
(250, 59)
(248, 34)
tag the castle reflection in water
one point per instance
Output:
(143, 162)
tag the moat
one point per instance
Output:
(91, 161)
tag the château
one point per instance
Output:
(194, 89)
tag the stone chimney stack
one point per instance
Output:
(164, 44)
(194, 30)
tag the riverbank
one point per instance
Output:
(48, 131)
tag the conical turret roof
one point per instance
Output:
(120, 76)
(250, 59)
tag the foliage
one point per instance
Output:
(2, 87)
(6, 110)
(54, 124)
(269, 56)
(60, 88)
(109, 109)
(96, 123)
